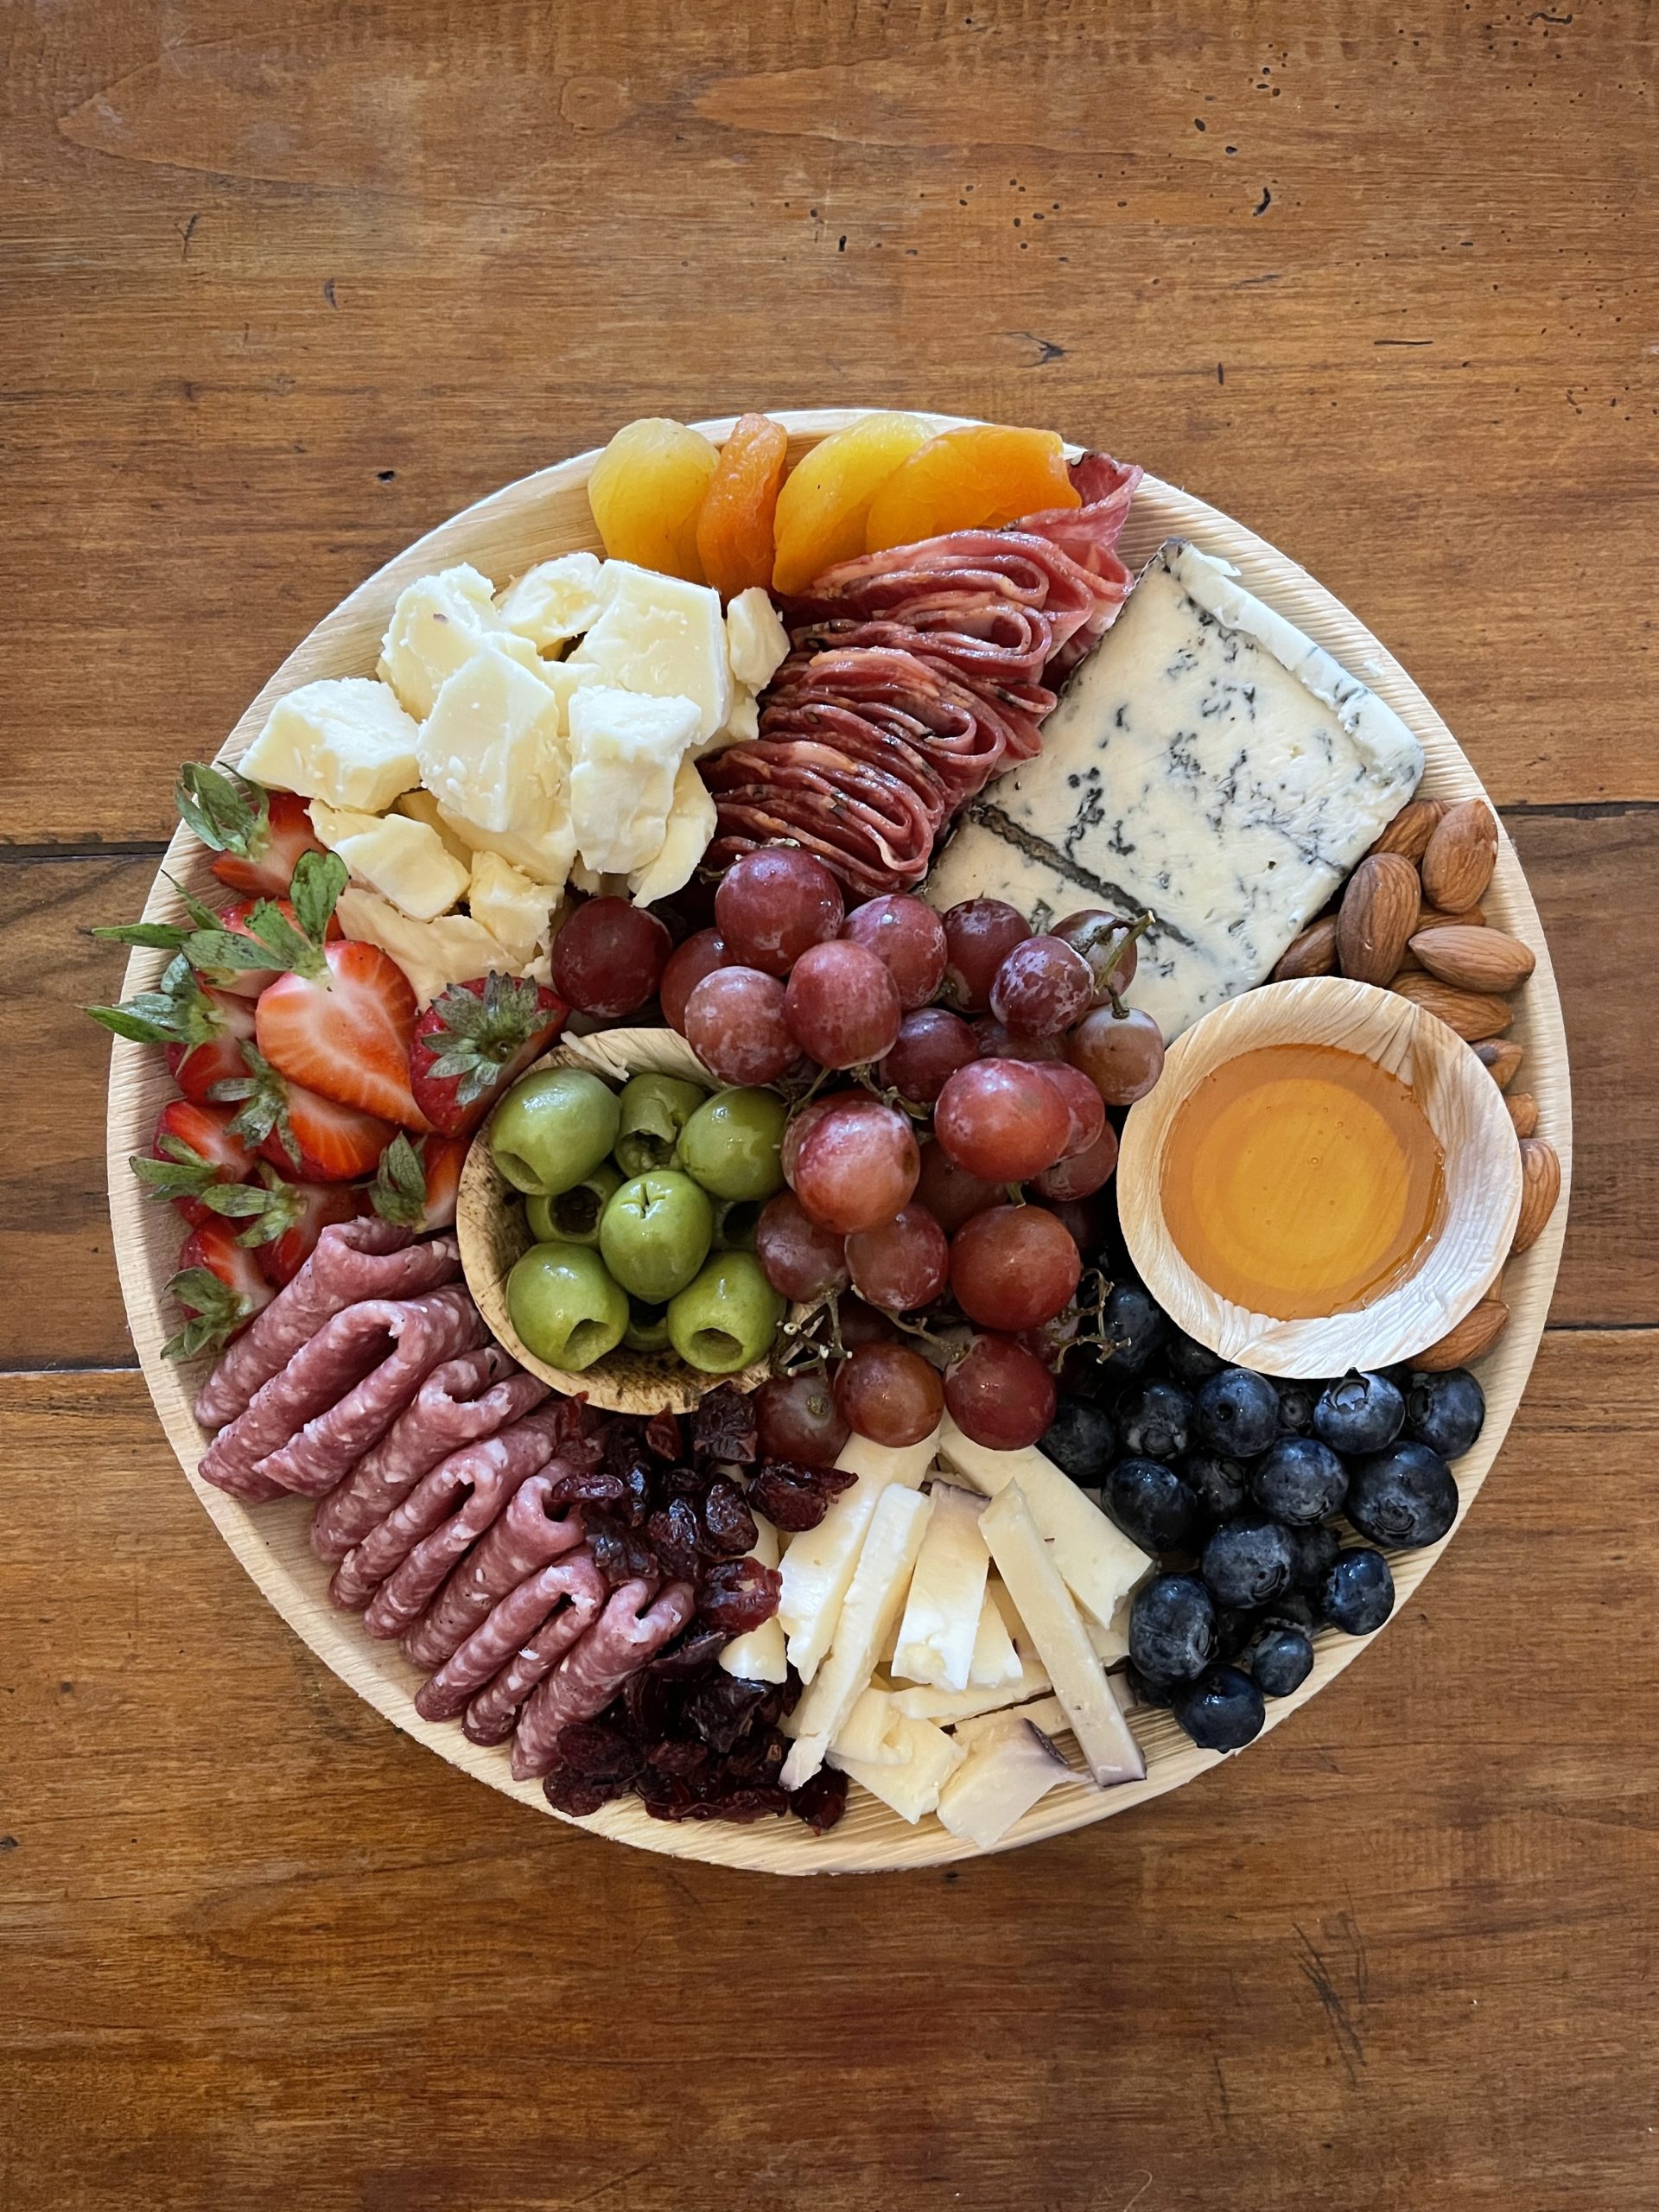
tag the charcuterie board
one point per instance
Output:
(548, 514)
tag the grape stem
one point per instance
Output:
(1132, 934)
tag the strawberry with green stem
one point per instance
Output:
(473, 1041)
(258, 836)
(220, 1287)
(199, 1162)
(203, 1029)
(299, 1131)
(416, 1185)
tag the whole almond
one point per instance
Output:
(1524, 1112)
(1313, 953)
(1467, 918)
(1460, 856)
(1501, 1057)
(1475, 1018)
(1477, 1332)
(1474, 959)
(1411, 829)
(1540, 1186)
(1379, 912)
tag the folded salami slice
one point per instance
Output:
(632, 1628)
(555, 1605)
(460, 1402)
(529, 1533)
(493, 1713)
(339, 1393)
(354, 1260)
(865, 824)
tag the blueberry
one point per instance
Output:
(1155, 1420)
(1316, 1554)
(1444, 1411)
(1281, 1659)
(1237, 1412)
(1133, 1327)
(1249, 1561)
(1148, 1689)
(1172, 1628)
(1300, 1481)
(1218, 1483)
(1358, 1592)
(1222, 1710)
(1152, 1505)
(1234, 1626)
(1404, 1496)
(1359, 1413)
(1082, 1439)
(1293, 1610)
(1190, 1361)
(1296, 1407)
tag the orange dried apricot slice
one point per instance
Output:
(824, 507)
(646, 490)
(734, 521)
(973, 478)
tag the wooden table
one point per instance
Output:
(285, 286)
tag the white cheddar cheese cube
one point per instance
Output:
(420, 806)
(1010, 1764)
(400, 858)
(661, 637)
(686, 834)
(874, 1597)
(433, 955)
(626, 752)
(343, 739)
(756, 640)
(554, 600)
(947, 1595)
(1051, 1617)
(490, 750)
(994, 1661)
(758, 1656)
(819, 1562)
(512, 906)
(911, 1784)
(437, 627)
(543, 849)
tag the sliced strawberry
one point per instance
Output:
(202, 1029)
(345, 1027)
(299, 1131)
(249, 982)
(473, 1041)
(293, 1216)
(196, 1068)
(220, 1287)
(198, 1162)
(258, 835)
(415, 1184)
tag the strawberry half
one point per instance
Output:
(294, 1215)
(258, 835)
(473, 1040)
(343, 1027)
(199, 1162)
(299, 1131)
(416, 1185)
(237, 922)
(220, 1287)
(203, 1029)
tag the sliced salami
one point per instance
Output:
(632, 1628)
(552, 1607)
(529, 1533)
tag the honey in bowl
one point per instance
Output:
(1301, 1181)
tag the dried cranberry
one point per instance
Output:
(685, 1759)
(575, 1795)
(723, 1428)
(690, 1652)
(665, 1796)
(758, 1755)
(648, 1708)
(794, 1498)
(727, 1524)
(739, 1594)
(721, 1707)
(619, 1556)
(584, 1486)
(598, 1751)
(685, 1481)
(662, 1437)
(821, 1801)
(741, 1806)
(676, 1536)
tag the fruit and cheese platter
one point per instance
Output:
(837, 1138)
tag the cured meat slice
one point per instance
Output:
(339, 1393)
(529, 1533)
(353, 1260)
(460, 1402)
(493, 1713)
(998, 643)
(552, 1607)
(632, 1628)
(864, 825)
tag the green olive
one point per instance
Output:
(552, 1130)
(572, 1218)
(655, 1109)
(647, 1328)
(565, 1307)
(655, 1234)
(735, 1223)
(731, 1144)
(728, 1317)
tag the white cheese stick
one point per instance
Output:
(819, 1562)
(947, 1594)
(910, 1785)
(950, 1706)
(759, 1655)
(994, 1661)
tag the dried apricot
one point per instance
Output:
(734, 521)
(823, 506)
(976, 477)
(646, 490)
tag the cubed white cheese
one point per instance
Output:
(490, 751)
(911, 1784)
(554, 600)
(1009, 1766)
(819, 1562)
(343, 739)
(947, 1594)
(400, 858)
(686, 834)
(755, 637)
(1050, 1616)
(994, 1661)
(437, 627)
(1207, 761)
(420, 806)
(625, 750)
(870, 1732)
(874, 1597)
(758, 1656)
(433, 955)
(657, 635)
(515, 909)
(544, 849)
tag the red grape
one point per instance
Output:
(995, 1043)
(979, 936)
(856, 1167)
(799, 1259)
(843, 1006)
(806, 1119)
(861, 1323)
(608, 957)
(1003, 1120)
(1098, 937)
(1082, 1102)
(773, 904)
(796, 1418)
(1083, 1217)
(908, 938)
(1042, 988)
(951, 1194)
(734, 1024)
(1000, 1395)
(890, 1395)
(931, 1045)
(687, 966)
(1014, 1266)
(904, 1263)
(1080, 1174)
(1121, 1054)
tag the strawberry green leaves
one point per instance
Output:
(227, 812)
(398, 1191)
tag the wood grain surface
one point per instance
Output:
(282, 288)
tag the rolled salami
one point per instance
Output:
(555, 1605)
(527, 1534)
(632, 1628)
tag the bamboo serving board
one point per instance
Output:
(531, 520)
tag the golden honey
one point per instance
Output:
(1301, 1180)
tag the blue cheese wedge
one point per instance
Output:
(1207, 761)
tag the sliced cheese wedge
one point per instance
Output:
(758, 1655)
(1045, 1605)
(870, 1733)
(819, 1562)
(911, 1784)
(1010, 1763)
(950, 1706)
(947, 1594)
(994, 1661)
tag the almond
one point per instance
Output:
(1461, 855)
(1473, 959)
(1477, 1332)
(1313, 953)
(1411, 829)
(1379, 912)
(1474, 1017)
(1540, 1186)
(1524, 1112)
(1467, 918)
(1501, 1057)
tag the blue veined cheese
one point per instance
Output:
(1207, 761)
